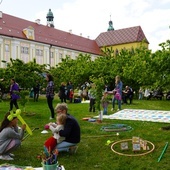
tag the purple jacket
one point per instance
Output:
(13, 89)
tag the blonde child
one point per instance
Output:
(51, 142)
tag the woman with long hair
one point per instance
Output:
(50, 94)
(117, 93)
(10, 136)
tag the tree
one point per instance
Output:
(25, 75)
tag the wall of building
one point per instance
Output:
(128, 46)
(28, 50)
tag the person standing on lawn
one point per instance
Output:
(36, 90)
(105, 103)
(14, 90)
(117, 93)
(50, 94)
(10, 136)
(91, 95)
(71, 131)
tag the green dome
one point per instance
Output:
(50, 14)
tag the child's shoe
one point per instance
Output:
(6, 157)
(11, 155)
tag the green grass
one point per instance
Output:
(92, 152)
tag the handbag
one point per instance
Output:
(118, 96)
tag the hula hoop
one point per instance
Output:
(123, 154)
(116, 128)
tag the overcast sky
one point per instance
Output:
(91, 17)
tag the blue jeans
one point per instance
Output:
(118, 101)
(64, 146)
(105, 110)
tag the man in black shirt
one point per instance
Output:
(71, 131)
(127, 94)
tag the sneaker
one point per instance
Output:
(6, 157)
(73, 149)
(11, 155)
(51, 118)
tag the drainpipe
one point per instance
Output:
(50, 54)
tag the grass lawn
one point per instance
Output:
(93, 153)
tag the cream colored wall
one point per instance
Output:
(15, 52)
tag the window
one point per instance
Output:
(30, 33)
(24, 50)
(6, 47)
(39, 52)
(117, 52)
(60, 56)
(52, 55)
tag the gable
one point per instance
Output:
(122, 36)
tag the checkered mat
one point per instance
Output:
(142, 115)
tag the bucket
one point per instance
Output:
(49, 167)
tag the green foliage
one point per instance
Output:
(97, 88)
(77, 71)
(25, 74)
(137, 67)
(93, 153)
(23, 97)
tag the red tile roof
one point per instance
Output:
(12, 26)
(121, 36)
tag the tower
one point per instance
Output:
(50, 18)
(110, 25)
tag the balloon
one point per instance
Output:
(18, 112)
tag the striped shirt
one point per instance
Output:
(50, 89)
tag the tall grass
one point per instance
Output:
(93, 153)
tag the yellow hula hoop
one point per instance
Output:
(123, 154)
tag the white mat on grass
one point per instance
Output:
(142, 115)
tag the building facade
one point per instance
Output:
(25, 40)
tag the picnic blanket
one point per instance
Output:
(141, 115)
(16, 167)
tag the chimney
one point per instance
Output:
(37, 21)
(0, 14)
(81, 34)
(70, 31)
